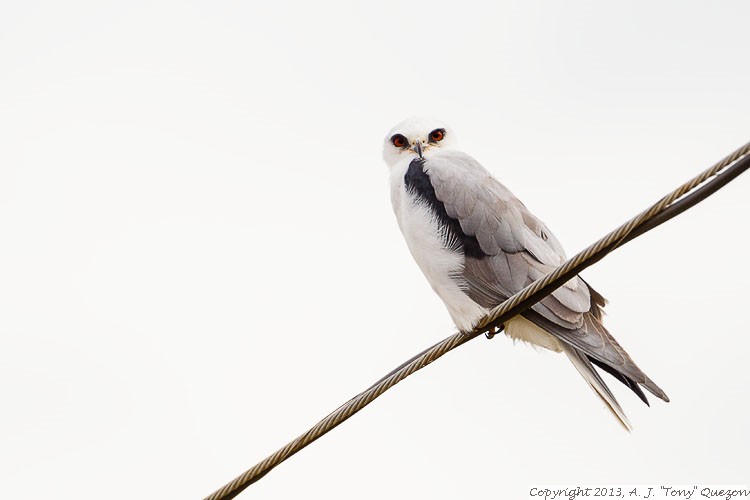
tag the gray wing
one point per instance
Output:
(516, 250)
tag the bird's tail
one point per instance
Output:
(592, 377)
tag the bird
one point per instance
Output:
(477, 245)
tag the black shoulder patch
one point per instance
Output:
(418, 183)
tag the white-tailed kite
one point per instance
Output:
(477, 244)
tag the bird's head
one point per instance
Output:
(416, 138)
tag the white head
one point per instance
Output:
(417, 137)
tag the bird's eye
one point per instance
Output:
(437, 135)
(399, 141)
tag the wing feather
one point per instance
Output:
(517, 249)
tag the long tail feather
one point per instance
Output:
(587, 371)
(629, 383)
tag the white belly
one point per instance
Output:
(443, 267)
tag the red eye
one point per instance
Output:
(437, 135)
(399, 141)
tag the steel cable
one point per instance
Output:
(684, 197)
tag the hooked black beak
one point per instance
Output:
(418, 148)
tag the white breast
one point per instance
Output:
(441, 266)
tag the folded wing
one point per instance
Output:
(516, 250)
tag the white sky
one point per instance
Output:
(198, 258)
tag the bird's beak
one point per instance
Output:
(418, 148)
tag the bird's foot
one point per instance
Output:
(493, 331)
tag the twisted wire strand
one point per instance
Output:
(666, 208)
(618, 237)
